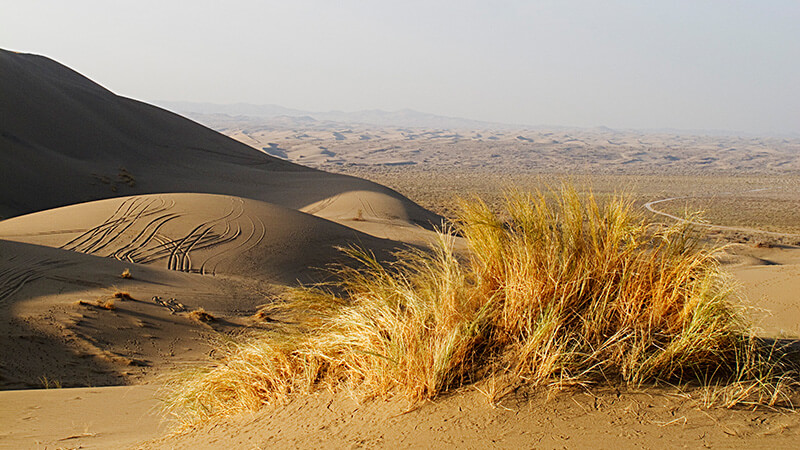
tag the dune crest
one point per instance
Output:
(76, 141)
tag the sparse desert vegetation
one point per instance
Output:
(123, 295)
(768, 202)
(49, 383)
(200, 315)
(107, 304)
(550, 294)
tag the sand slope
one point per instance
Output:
(769, 282)
(225, 254)
(64, 139)
(88, 417)
(198, 233)
(97, 184)
(54, 334)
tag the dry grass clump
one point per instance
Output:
(126, 274)
(108, 304)
(50, 383)
(560, 293)
(122, 295)
(200, 315)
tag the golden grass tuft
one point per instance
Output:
(200, 315)
(50, 383)
(560, 293)
(126, 274)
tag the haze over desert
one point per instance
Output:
(443, 225)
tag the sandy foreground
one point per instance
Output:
(78, 344)
(121, 417)
(105, 417)
(128, 416)
(134, 250)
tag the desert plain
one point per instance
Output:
(135, 242)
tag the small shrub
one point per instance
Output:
(48, 383)
(126, 274)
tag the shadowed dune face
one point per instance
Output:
(76, 141)
(53, 333)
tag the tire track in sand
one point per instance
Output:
(649, 207)
(127, 214)
(259, 229)
(150, 243)
(202, 237)
(22, 271)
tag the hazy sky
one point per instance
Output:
(730, 65)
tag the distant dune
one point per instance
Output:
(441, 147)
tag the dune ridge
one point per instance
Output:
(75, 141)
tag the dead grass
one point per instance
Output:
(126, 274)
(122, 295)
(553, 294)
(200, 315)
(50, 383)
(108, 304)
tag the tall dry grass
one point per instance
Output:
(552, 293)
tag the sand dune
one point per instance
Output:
(347, 147)
(224, 254)
(769, 281)
(200, 220)
(197, 233)
(76, 141)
